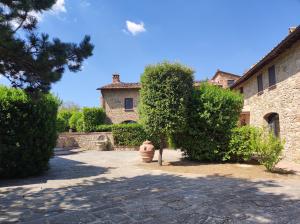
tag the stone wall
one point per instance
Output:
(113, 102)
(88, 141)
(283, 98)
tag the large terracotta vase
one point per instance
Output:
(147, 151)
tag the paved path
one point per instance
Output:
(108, 187)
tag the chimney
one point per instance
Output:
(292, 29)
(116, 78)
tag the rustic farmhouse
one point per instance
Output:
(120, 99)
(271, 91)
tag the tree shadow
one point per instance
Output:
(60, 169)
(164, 198)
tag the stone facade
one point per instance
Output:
(114, 95)
(223, 79)
(283, 98)
(113, 101)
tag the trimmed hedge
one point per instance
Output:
(214, 112)
(132, 135)
(92, 117)
(75, 120)
(104, 127)
(27, 132)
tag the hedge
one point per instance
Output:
(27, 132)
(92, 117)
(214, 112)
(132, 135)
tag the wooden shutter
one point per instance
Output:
(259, 83)
(272, 76)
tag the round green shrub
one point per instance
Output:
(27, 132)
(213, 113)
(241, 147)
(63, 117)
(73, 121)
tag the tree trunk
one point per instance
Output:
(161, 150)
(160, 156)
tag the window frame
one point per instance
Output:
(272, 76)
(230, 80)
(126, 104)
(260, 83)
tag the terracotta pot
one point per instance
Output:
(147, 151)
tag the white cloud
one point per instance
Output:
(135, 28)
(85, 3)
(59, 6)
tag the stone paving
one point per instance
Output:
(108, 187)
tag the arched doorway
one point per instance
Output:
(129, 122)
(272, 120)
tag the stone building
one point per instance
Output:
(271, 90)
(120, 99)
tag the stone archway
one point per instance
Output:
(273, 123)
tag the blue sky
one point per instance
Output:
(206, 35)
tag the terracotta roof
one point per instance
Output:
(121, 85)
(275, 52)
(226, 73)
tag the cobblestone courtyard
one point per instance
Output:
(109, 187)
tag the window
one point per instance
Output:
(241, 90)
(230, 82)
(259, 83)
(272, 76)
(128, 103)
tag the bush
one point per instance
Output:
(104, 128)
(27, 132)
(269, 149)
(164, 99)
(92, 117)
(241, 147)
(132, 135)
(73, 121)
(80, 124)
(63, 117)
(214, 112)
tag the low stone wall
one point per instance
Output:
(89, 141)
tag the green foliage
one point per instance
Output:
(268, 148)
(247, 142)
(63, 117)
(164, 98)
(131, 135)
(104, 127)
(80, 124)
(73, 120)
(27, 132)
(32, 61)
(92, 117)
(213, 114)
(241, 147)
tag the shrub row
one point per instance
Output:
(27, 132)
(132, 135)
(88, 120)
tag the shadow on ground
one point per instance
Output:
(60, 169)
(149, 198)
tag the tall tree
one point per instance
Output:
(165, 97)
(28, 59)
